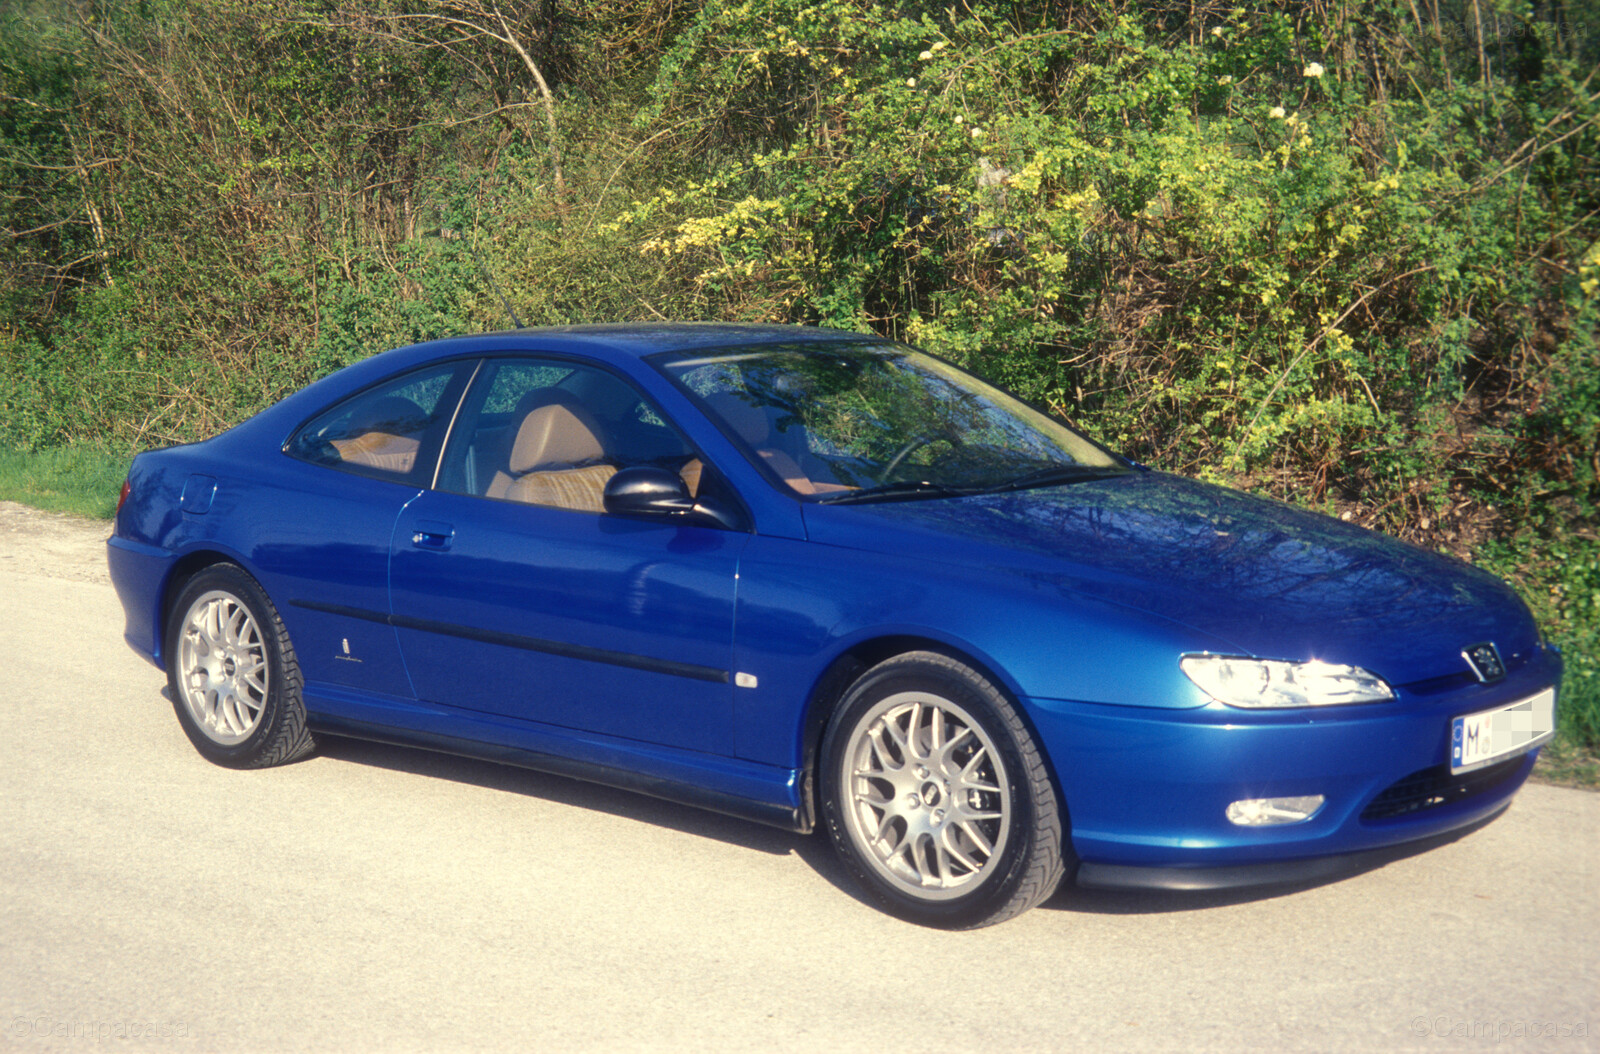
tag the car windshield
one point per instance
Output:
(877, 422)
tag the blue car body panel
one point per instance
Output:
(1263, 578)
(535, 612)
(685, 661)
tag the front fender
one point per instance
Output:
(802, 606)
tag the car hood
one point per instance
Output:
(1273, 580)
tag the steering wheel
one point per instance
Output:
(911, 447)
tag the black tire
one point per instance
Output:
(936, 797)
(232, 673)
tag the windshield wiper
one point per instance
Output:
(1052, 476)
(911, 490)
(906, 490)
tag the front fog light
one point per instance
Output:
(1267, 812)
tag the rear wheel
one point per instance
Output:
(234, 680)
(936, 796)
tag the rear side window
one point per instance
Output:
(392, 430)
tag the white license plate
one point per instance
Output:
(1478, 739)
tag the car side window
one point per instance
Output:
(385, 431)
(547, 432)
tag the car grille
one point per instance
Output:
(1454, 682)
(1435, 786)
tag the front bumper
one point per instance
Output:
(1147, 790)
(1306, 870)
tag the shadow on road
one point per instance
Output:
(813, 849)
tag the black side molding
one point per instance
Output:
(515, 640)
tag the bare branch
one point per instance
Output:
(472, 29)
(544, 90)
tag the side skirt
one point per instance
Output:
(746, 790)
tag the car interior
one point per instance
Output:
(565, 433)
(782, 446)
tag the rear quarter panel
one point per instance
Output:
(307, 533)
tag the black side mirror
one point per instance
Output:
(657, 493)
(647, 490)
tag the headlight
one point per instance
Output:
(1268, 684)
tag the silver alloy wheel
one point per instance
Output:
(927, 803)
(222, 667)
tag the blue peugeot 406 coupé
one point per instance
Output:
(804, 577)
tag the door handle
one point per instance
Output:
(430, 534)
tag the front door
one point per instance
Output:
(515, 594)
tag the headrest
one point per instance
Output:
(558, 434)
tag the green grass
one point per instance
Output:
(81, 479)
(1566, 765)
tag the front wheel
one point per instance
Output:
(936, 796)
(232, 673)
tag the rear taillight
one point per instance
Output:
(122, 498)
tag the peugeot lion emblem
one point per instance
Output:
(1485, 661)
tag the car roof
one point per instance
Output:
(643, 338)
(601, 342)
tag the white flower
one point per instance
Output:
(959, 118)
(925, 56)
(911, 82)
(938, 44)
(1216, 31)
(1313, 70)
(977, 133)
(1226, 78)
(1277, 113)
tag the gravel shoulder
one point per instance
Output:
(52, 544)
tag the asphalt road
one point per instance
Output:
(372, 898)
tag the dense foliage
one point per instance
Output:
(1346, 254)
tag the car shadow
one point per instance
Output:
(813, 849)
